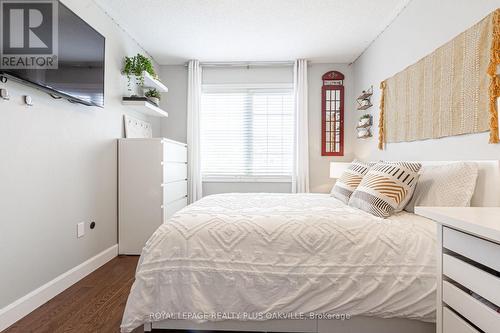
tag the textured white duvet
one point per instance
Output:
(286, 253)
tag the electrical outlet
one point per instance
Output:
(80, 229)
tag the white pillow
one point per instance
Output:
(448, 185)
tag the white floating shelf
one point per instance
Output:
(146, 108)
(152, 83)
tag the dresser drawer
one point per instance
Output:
(174, 152)
(452, 323)
(476, 312)
(473, 278)
(174, 171)
(175, 206)
(477, 249)
(174, 191)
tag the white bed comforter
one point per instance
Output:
(286, 253)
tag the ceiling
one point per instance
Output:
(173, 31)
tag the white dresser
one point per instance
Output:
(468, 292)
(152, 186)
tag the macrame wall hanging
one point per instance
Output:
(450, 92)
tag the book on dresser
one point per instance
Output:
(152, 186)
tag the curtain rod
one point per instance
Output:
(247, 64)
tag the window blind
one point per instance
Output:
(246, 133)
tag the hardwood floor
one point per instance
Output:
(95, 304)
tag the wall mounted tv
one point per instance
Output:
(79, 76)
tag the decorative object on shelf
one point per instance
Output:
(145, 98)
(364, 100)
(135, 66)
(144, 106)
(135, 128)
(364, 125)
(365, 121)
(332, 114)
(364, 133)
(154, 96)
(451, 91)
(140, 69)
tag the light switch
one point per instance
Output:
(80, 229)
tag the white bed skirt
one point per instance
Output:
(359, 324)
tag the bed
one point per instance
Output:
(286, 263)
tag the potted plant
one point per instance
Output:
(134, 66)
(154, 96)
(365, 120)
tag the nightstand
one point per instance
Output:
(468, 289)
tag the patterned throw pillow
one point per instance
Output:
(386, 188)
(350, 179)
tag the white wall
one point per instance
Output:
(421, 28)
(175, 102)
(58, 167)
(175, 77)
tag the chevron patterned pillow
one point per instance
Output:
(386, 188)
(350, 179)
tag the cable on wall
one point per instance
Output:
(383, 30)
(247, 64)
(125, 31)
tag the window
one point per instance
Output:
(247, 132)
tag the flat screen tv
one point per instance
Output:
(79, 76)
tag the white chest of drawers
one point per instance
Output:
(468, 292)
(152, 186)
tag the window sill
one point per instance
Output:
(247, 179)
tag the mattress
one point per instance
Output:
(268, 256)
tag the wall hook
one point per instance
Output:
(27, 100)
(4, 94)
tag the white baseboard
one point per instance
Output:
(24, 305)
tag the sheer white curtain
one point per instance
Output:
(301, 165)
(193, 131)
